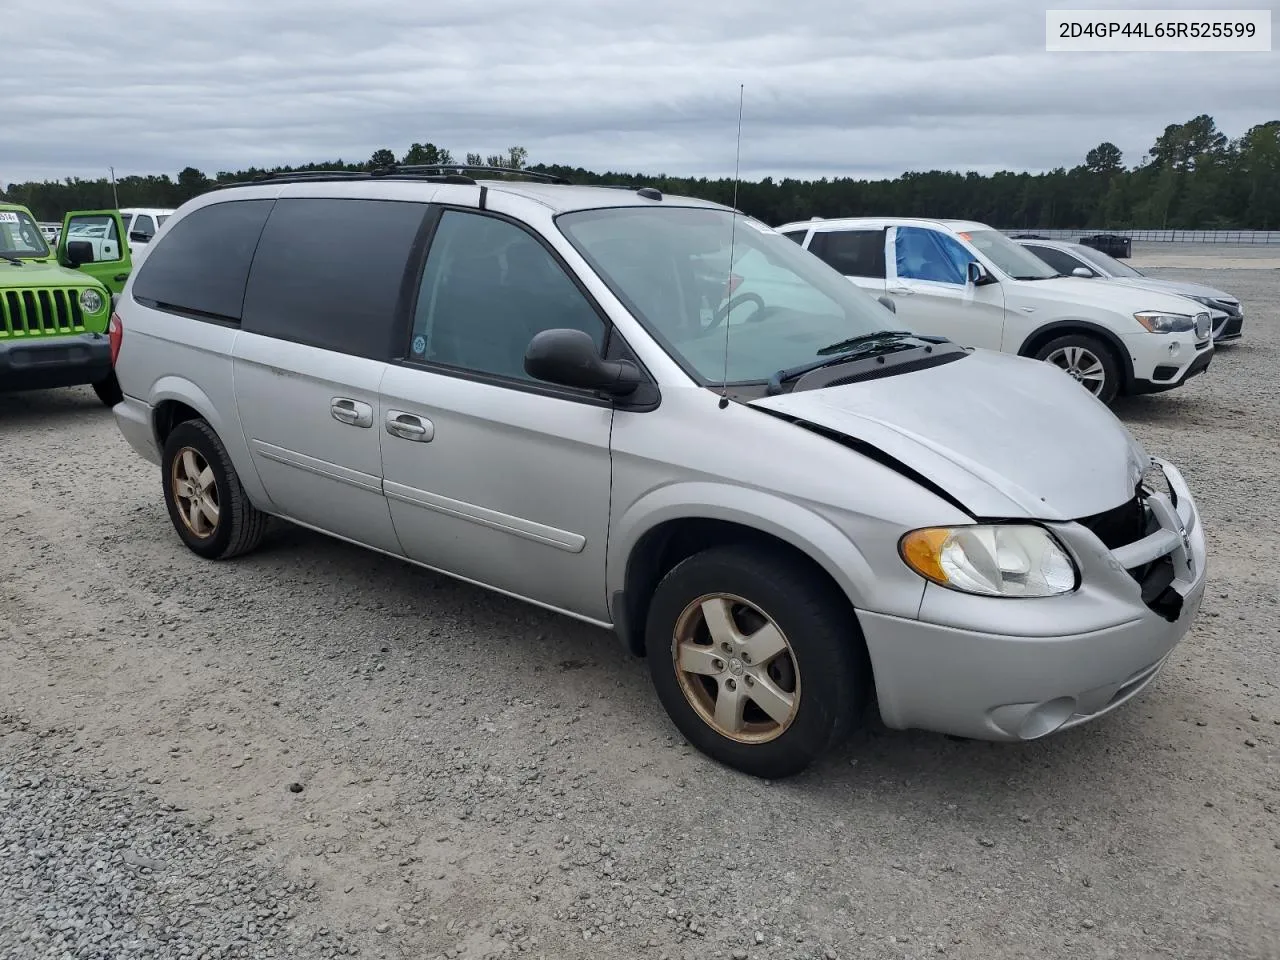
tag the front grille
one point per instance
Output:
(1230, 327)
(40, 312)
(1129, 523)
(1202, 326)
(1120, 525)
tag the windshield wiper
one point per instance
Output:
(839, 352)
(12, 259)
(840, 346)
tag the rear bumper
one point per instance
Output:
(134, 418)
(43, 363)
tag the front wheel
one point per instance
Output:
(758, 661)
(1087, 360)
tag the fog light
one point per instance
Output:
(1047, 717)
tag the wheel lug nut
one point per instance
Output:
(727, 648)
(731, 684)
(746, 658)
(751, 681)
(719, 664)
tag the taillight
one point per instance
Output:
(115, 333)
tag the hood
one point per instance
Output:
(1181, 288)
(1119, 297)
(1007, 436)
(41, 273)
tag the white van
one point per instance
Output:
(970, 283)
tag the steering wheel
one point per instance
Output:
(764, 313)
(733, 303)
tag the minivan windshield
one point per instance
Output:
(779, 304)
(1013, 259)
(20, 235)
(1108, 263)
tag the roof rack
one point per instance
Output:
(437, 172)
(464, 169)
(644, 190)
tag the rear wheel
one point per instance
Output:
(757, 660)
(1086, 359)
(206, 502)
(108, 390)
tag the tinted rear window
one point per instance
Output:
(1063, 262)
(329, 273)
(201, 267)
(855, 253)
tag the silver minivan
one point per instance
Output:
(662, 417)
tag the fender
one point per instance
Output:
(184, 391)
(809, 532)
(177, 388)
(1087, 326)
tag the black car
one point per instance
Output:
(1111, 244)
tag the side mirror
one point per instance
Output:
(139, 237)
(978, 274)
(79, 252)
(888, 304)
(569, 358)
(1082, 272)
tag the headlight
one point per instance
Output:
(994, 560)
(90, 301)
(1158, 322)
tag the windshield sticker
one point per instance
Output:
(419, 345)
(8, 216)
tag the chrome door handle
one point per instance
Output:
(353, 412)
(901, 291)
(408, 426)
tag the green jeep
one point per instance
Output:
(54, 311)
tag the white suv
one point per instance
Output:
(968, 282)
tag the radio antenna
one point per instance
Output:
(733, 231)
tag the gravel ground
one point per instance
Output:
(315, 750)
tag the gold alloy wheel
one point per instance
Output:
(195, 491)
(736, 668)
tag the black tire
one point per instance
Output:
(240, 525)
(824, 645)
(108, 390)
(1097, 348)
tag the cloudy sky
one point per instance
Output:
(832, 87)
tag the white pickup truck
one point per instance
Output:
(141, 225)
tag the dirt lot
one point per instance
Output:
(316, 751)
